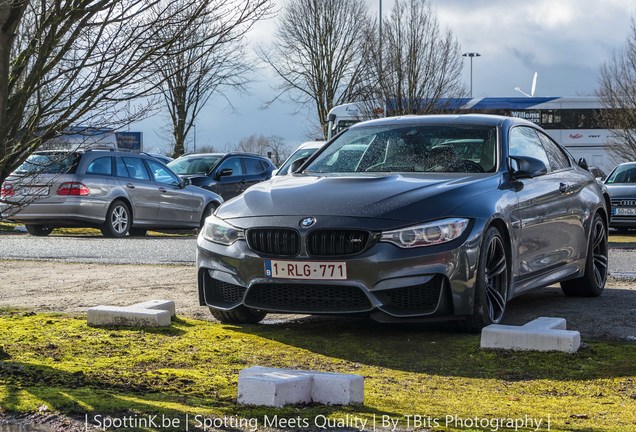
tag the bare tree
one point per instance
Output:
(415, 63)
(209, 61)
(318, 52)
(618, 93)
(66, 63)
(272, 146)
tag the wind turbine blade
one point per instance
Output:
(534, 83)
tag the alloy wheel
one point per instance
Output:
(496, 273)
(119, 219)
(599, 251)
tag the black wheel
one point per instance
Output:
(39, 230)
(240, 315)
(138, 232)
(118, 220)
(592, 283)
(491, 288)
(209, 209)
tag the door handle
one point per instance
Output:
(162, 189)
(130, 185)
(564, 187)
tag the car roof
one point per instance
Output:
(448, 119)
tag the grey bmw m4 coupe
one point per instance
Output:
(409, 219)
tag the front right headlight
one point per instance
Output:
(427, 234)
(218, 231)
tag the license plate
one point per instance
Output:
(320, 270)
(35, 191)
(625, 211)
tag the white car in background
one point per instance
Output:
(305, 150)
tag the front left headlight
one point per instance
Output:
(217, 230)
(428, 234)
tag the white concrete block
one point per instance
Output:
(542, 334)
(337, 389)
(547, 323)
(126, 316)
(277, 387)
(167, 305)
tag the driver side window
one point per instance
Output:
(234, 164)
(524, 141)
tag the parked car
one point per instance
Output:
(598, 173)
(621, 184)
(227, 174)
(119, 192)
(304, 150)
(412, 231)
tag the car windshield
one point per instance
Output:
(426, 148)
(623, 174)
(49, 163)
(194, 165)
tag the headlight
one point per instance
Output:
(427, 234)
(218, 231)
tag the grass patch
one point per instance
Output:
(192, 369)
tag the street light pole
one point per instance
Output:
(471, 55)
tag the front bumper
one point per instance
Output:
(385, 281)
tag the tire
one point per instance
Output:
(592, 283)
(209, 209)
(239, 315)
(39, 230)
(492, 285)
(118, 220)
(138, 232)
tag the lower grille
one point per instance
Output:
(417, 298)
(305, 298)
(219, 293)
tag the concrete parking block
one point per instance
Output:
(277, 387)
(126, 316)
(337, 389)
(541, 334)
(152, 313)
(167, 305)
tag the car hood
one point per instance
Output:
(394, 196)
(618, 191)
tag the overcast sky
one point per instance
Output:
(565, 41)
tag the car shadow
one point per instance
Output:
(442, 348)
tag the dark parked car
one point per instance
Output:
(118, 192)
(227, 174)
(414, 230)
(621, 184)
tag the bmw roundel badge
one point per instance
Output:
(307, 222)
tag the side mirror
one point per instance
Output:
(186, 182)
(297, 164)
(224, 172)
(527, 167)
(583, 164)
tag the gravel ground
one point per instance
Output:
(74, 287)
